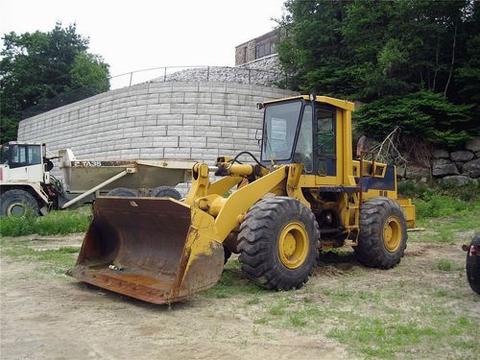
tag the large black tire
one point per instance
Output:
(473, 264)
(124, 192)
(374, 249)
(166, 191)
(18, 203)
(260, 243)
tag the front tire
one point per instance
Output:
(18, 203)
(383, 233)
(473, 264)
(278, 243)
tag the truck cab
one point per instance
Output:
(24, 178)
(24, 162)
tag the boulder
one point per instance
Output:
(458, 180)
(417, 172)
(443, 167)
(472, 168)
(473, 145)
(440, 154)
(462, 155)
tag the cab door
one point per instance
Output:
(327, 145)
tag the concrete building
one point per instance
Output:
(258, 48)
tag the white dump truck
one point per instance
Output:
(26, 182)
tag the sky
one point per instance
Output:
(134, 35)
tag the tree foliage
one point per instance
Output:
(423, 115)
(38, 66)
(386, 53)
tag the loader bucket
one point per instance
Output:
(145, 248)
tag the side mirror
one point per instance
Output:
(258, 137)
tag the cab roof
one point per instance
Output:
(22, 143)
(341, 104)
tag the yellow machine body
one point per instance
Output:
(161, 250)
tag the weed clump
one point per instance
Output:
(444, 265)
(440, 200)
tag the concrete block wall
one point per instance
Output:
(156, 120)
(183, 120)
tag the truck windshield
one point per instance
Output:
(24, 155)
(279, 130)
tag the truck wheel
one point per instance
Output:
(123, 192)
(473, 264)
(383, 233)
(278, 243)
(166, 191)
(18, 203)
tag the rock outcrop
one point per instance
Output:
(460, 166)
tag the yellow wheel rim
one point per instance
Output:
(392, 234)
(293, 245)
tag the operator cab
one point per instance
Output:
(301, 130)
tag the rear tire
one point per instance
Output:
(473, 265)
(383, 233)
(123, 192)
(166, 191)
(18, 203)
(278, 243)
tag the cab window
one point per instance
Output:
(279, 130)
(325, 141)
(24, 155)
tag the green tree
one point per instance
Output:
(90, 71)
(421, 116)
(370, 50)
(313, 53)
(38, 66)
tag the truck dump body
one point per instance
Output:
(82, 175)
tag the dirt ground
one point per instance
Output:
(58, 318)
(52, 316)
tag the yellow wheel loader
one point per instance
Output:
(304, 194)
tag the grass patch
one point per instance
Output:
(380, 321)
(444, 265)
(440, 200)
(59, 260)
(279, 308)
(444, 211)
(255, 300)
(384, 338)
(55, 223)
(377, 337)
(449, 229)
